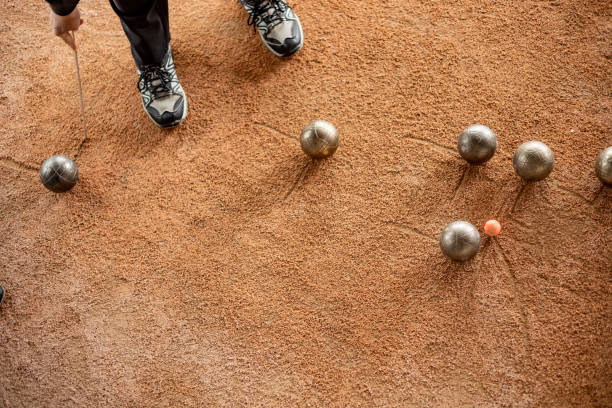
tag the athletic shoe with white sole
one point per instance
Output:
(278, 26)
(163, 97)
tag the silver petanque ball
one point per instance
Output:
(460, 241)
(59, 173)
(477, 144)
(603, 166)
(319, 139)
(533, 161)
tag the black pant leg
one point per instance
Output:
(146, 26)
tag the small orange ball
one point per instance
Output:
(492, 228)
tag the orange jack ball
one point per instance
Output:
(492, 228)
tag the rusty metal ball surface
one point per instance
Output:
(477, 144)
(319, 139)
(59, 173)
(460, 241)
(603, 166)
(533, 161)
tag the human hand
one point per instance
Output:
(62, 25)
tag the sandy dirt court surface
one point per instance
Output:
(215, 265)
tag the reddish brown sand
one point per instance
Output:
(214, 265)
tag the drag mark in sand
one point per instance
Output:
(500, 210)
(518, 198)
(275, 130)
(469, 298)
(436, 146)
(572, 193)
(517, 299)
(445, 151)
(557, 186)
(463, 177)
(410, 230)
(597, 194)
(17, 165)
(524, 226)
(80, 147)
(297, 181)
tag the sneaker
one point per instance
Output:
(1, 294)
(278, 26)
(163, 97)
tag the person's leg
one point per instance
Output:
(146, 26)
(278, 26)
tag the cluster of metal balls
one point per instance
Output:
(459, 240)
(533, 161)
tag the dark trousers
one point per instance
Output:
(146, 26)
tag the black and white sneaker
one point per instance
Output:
(1, 294)
(278, 26)
(163, 97)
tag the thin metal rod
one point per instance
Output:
(76, 59)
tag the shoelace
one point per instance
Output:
(270, 11)
(152, 74)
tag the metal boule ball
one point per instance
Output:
(603, 166)
(319, 139)
(59, 173)
(477, 144)
(460, 241)
(533, 161)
